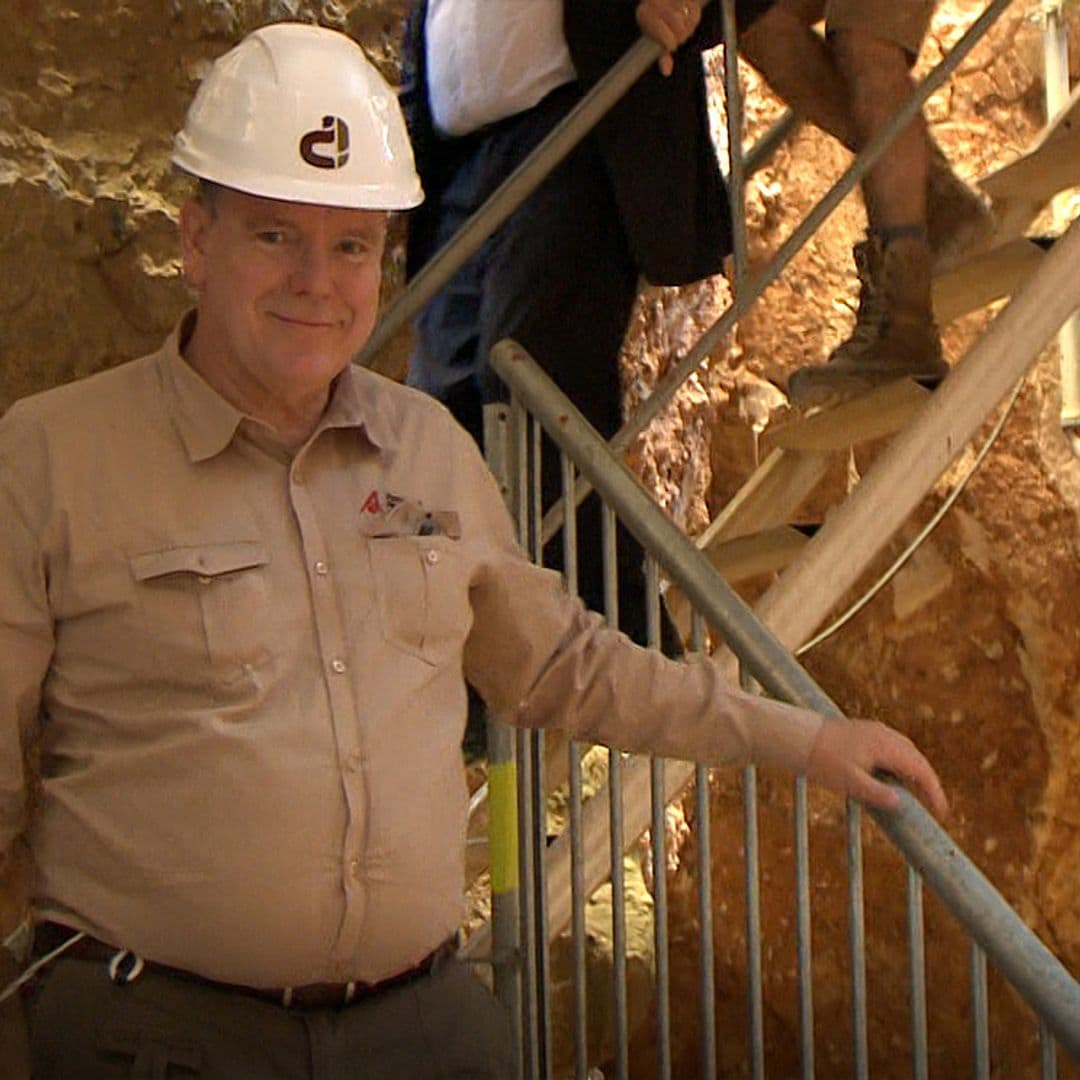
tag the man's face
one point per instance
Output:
(288, 292)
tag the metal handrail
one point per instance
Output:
(1035, 972)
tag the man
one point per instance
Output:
(242, 585)
(851, 84)
(485, 82)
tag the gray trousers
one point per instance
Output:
(85, 1027)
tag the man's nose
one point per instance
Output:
(312, 270)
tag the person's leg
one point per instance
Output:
(895, 335)
(797, 63)
(801, 67)
(445, 1025)
(83, 1026)
(562, 283)
(879, 82)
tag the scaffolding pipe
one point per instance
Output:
(1056, 54)
(1035, 972)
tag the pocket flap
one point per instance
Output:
(207, 560)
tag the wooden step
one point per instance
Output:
(874, 415)
(769, 499)
(1021, 189)
(985, 277)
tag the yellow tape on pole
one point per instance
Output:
(502, 827)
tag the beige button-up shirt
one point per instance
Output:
(244, 670)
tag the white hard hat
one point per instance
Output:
(298, 112)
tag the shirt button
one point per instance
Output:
(338, 665)
(321, 568)
(354, 867)
(431, 556)
(355, 760)
(205, 579)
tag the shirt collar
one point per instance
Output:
(207, 422)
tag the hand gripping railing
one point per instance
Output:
(1018, 953)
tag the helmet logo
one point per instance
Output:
(334, 130)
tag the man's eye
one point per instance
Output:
(355, 248)
(270, 237)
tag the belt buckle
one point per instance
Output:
(348, 996)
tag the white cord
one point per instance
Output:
(928, 528)
(13, 986)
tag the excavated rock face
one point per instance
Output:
(974, 650)
(90, 96)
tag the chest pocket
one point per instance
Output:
(226, 584)
(421, 594)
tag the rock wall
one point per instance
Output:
(974, 650)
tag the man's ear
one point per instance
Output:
(195, 221)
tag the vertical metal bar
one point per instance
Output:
(1047, 1052)
(980, 1014)
(803, 934)
(618, 877)
(752, 870)
(543, 957)
(1056, 54)
(577, 848)
(752, 884)
(736, 166)
(520, 424)
(539, 794)
(753, 924)
(707, 959)
(502, 793)
(530, 1014)
(659, 854)
(917, 955)
(618, 919)
(857, 930)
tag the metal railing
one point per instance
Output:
(997, 932)
(531, 901)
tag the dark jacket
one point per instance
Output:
(655, 142)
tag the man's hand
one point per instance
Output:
(846, 753)
(669, 22)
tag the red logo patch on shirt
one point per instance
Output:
(374, 503)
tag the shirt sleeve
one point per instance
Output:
(540, 659)
(26, 641)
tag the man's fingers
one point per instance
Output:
(873, 792)
(846, 753)
(900, 756)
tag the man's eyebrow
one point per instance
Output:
(263, 220)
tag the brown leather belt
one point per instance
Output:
(125, 967)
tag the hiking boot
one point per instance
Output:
(894, 336)
(958, 218)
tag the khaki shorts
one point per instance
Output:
(903, 22)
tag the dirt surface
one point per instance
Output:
(973, 650)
